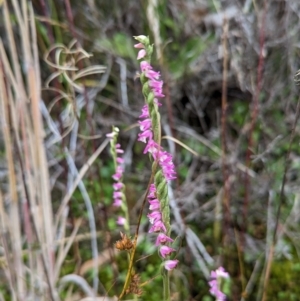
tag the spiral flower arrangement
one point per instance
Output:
(150, 134)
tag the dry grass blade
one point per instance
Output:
(181, 144)
(63, 251)
(213, 147)
(79, 177)
(15, 234)
(89, 71)
(91, 218)
(8, 268)
(28, 180)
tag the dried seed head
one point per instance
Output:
(134, 286)
(134, 290)
(125, 243)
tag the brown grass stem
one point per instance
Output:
(254, 116)
(226, 196)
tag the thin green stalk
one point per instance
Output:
(132, 253)
(166, 283)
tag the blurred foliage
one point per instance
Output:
(283, 284)
(119, 45)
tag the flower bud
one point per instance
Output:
(143, 39)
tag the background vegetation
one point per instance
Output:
(68, 73)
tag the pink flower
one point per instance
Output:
(117, 194)
(139, 45)
(118, 149)
(145, 112)
(165, 250)
(214, 290)
(117, 176)
(152, 191)
(167, 165)
(154, 204)
(145, 124)
(152, 148)
(119, 173)
(158, 226)
(220, 272)
(171, 264)
(156, 84)
(143, 136)
(121, 221)
(142, 53)
(151, 74)
(158, 93)
(145, 66)
(154, 216)
(111, 135)
(118, 185)
(163, 238)
(120, 160)
(117, 203)
(214, 283)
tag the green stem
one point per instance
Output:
(166, 283)
(126, 226)
(131, 260)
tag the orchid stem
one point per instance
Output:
(166, 283)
